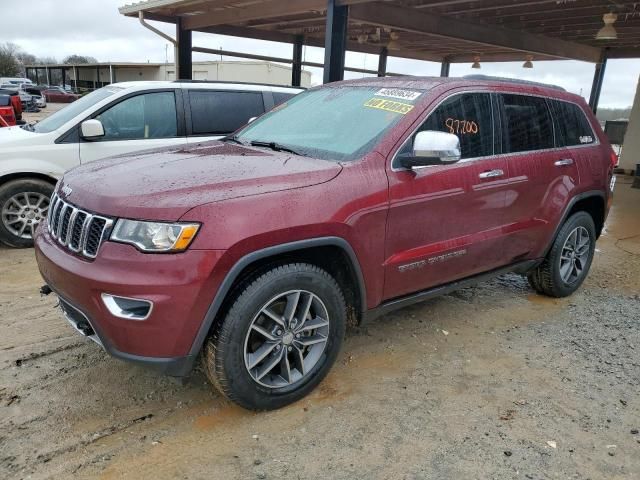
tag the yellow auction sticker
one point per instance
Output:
(389, 105)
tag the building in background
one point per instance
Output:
(96, 75)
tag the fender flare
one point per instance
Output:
(248, 259)
(567, 209)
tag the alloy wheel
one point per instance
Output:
(286, 339)
(575, 255)
(22, 213)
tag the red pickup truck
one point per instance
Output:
(346, 202)
(15, 102)
(7, 113)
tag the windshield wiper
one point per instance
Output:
(232, 138)
(28, 127)
(276, 147)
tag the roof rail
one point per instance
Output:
(513, 80)
(239, 83)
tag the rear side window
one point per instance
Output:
(572, 126)
(280, 97)
(222, 112)
(468, 116)
(527, 124)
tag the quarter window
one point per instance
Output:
(469, 117)
(150, 115)
(222, 112)
(572, 127)
(527, 124)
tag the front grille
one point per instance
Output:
(80, 231)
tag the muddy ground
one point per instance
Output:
(492, 382)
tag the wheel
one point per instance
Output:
(566, 265)
(23, 204)
(279, 338)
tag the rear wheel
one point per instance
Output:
(569, 260)
(24, 203)
(279, 338)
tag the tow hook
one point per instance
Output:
(45, 290)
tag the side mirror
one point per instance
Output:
(432, 148)
(251, 120)
(92, 129)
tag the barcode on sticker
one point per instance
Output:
(398, 93)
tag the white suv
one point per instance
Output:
(117, 119)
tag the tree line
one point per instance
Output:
(13, 60)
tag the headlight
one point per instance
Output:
(155, 236)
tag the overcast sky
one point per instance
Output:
(95, 28)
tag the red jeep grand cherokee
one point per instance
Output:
(345, 202)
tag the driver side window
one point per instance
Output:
(150, 115)
(469, 117)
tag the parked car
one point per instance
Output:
(17, 81)
(15, 101)
(59, 95)
(7, 114)
(114, 120)
(37, 96)
(346, 202)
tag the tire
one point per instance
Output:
(231, 356)
(557, 276)
(23, 202)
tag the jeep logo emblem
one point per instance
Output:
(66, 190)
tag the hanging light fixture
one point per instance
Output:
(529, 62)
(393, 43)
(476, 62)
(608, 32)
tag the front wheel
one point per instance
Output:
(566, 265)
(23, 205)
(279, 338)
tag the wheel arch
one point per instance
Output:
(26, 176)
(593, 202)
(344, 267)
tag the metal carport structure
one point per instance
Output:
(445, 31)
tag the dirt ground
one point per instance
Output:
(491, 382)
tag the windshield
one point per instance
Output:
(338, 124)
(74, 109)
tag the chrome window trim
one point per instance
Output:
(500, 155)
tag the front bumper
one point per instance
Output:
(181, 287)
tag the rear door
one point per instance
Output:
(541, 175)
(215, 113)
(445, 221)
(138, 122)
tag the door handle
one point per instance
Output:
(492, 173)
(564, 162)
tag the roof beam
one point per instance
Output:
(413, 20)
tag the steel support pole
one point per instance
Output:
(296, 67)
(335, 41)
(184, 60)
(46, 69)
(382, 62)
(445, 66)
(598, 80)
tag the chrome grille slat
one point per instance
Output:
(79, 231)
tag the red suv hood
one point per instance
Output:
(163, 184)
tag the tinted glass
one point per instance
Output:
(334, 123)
(468, 116)
(218, 113)
(280, 97)
(151, 115)
(572, 127)
(527, 124)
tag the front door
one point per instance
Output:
(445, 222)
(141, 122)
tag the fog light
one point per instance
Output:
(129, 308)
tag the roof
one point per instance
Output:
(437, 30)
